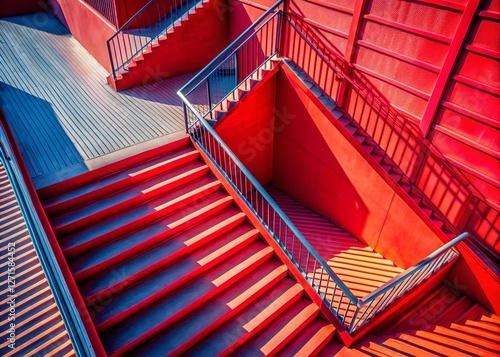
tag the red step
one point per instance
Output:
(311, 341)
(254, 319)
(168, 280)
(81, 217)
(95, 262)
(119, 180)
(180, 200)
(165, 313)
(211, 316)
(284, 330)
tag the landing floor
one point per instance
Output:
(358, 265)
(65, 117)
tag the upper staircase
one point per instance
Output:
(164, 39)
(168, 264)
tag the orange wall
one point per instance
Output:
(318, 166)
(248, 130)
(89, 27)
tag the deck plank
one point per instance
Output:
(60, 108)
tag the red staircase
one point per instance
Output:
(442, 324)
(185, 47)
(166, 263)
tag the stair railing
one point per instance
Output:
(376, 301)
(69, 312)
(314, 268)
(151, 22)
(200, 99)
(236, 64)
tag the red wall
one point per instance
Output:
(282, 136)
(248, 130)
(89, 27)
(242, 13)
(319, 167)
(20, 7)
(437, 62)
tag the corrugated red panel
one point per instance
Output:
(486, 34)
(485, 222)
(480, 68)
(470, 157)
(474, 99)
(405, 43)
(468, 127)
(400, 98)
(409, 74)
(416, 14)
(331, 20)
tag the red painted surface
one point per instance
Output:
(433, 60)
(477, 276)
(20, 7)
(318, 166)
(52, 240)
(241, 14)
(89, 27)
(128, 8)
(192, 44)
(248, 130)
(310, 292)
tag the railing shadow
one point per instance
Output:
(399, 136)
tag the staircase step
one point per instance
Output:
(493, 319)
(116, 226)
(177, 306)
(285, 329)
(96, 211)
(211, 316)
(166, 281)
(485, 326)
(403, 346)
(374, 349)
(477, 333)
(453, 312)
(136, 264)
(311, 341)
(225, 340)
(120, 180)
(419, 316)
(430, 346)
(458, 341)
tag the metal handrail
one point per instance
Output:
(376, 301)
(162, 10)
(226, 52)
(410, 271)
(60, 291)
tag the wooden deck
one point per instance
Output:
(65, 117)
(39, 328)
